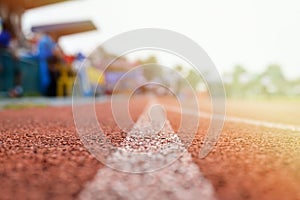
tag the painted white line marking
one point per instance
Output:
(236, 119)
(180, 180)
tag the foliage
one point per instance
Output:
(271, 82)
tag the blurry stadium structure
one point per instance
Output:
(114, 68)
(11, 12)
(96, 77)
(63, 29)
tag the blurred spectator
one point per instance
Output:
(5, 35)
(81, 70)
(47, 50)
(53, 62)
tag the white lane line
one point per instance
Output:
(180, 180)
(236, 119)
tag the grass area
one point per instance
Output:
(268, 98)
(18, 106)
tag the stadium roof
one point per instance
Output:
(61, 29)
(21, 5)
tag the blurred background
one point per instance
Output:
(254, 44)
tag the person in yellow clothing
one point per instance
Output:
(91, 79)
(96, 79)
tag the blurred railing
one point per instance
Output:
(13, 71)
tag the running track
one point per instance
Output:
(42, 157)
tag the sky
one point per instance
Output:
(253, 33)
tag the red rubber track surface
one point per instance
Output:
(42, 157)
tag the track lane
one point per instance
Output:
(43, 158)
(180, 179)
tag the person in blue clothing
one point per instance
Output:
(5, 35)
(46, 48)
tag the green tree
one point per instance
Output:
(274, 80)
(193, 78)
(237, 87)
(238, 72)
(151, 72)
